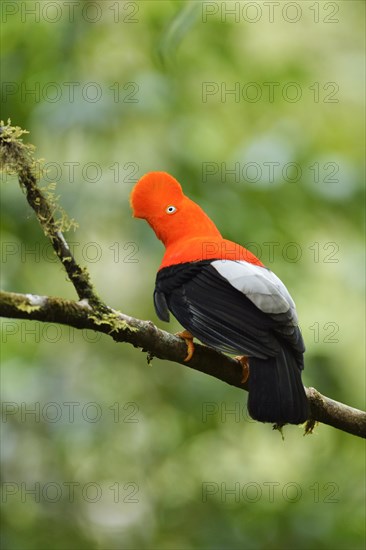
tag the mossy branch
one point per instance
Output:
(91, 313)
(17, 158)
(161, 344)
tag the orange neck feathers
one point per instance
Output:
(186, 231)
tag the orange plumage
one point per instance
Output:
(188, 233)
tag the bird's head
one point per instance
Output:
(158, 198)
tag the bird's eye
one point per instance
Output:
(170, 209)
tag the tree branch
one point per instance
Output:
(161, 344)
(91, 313)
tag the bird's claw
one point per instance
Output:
(188, 338)
(244, 361)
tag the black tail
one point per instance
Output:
(276, 393)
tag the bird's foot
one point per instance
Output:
(244, 361)
(188, 338)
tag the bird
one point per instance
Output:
(224, 296)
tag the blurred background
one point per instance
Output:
(257, 109)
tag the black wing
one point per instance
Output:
(220, 315)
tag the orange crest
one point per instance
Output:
(153, 193)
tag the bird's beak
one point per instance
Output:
(136, 215)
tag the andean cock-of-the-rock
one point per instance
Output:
(224, 296)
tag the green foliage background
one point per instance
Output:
(163, 445)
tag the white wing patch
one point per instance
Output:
(259, 284)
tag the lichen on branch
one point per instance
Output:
(18, 158)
